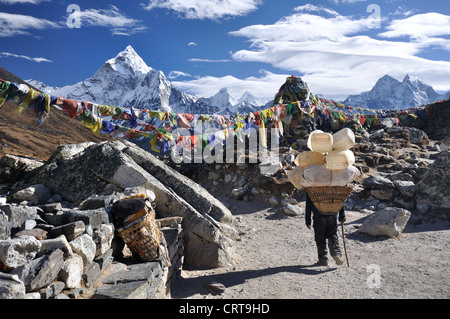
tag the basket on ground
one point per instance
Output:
(141, 234)
(329, 199)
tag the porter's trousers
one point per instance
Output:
(325, 229)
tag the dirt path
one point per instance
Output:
(277, 254)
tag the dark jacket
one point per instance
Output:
(316, 214)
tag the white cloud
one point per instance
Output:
(311, 8)
(190, 44)
(18, 24)
(109, 18)
(22, 1)
(303, 27)
(419, 26)
(402, 11)
(38, 60)
(206, 9)
(345, 1)
(175, 74)
(208, 60)
(337, 57)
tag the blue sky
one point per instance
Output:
(339, 47)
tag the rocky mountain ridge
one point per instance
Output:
(389, 93)
(127, 81)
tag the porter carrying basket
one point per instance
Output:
(329, 199)
(141, 234)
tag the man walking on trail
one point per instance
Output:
(325, 228)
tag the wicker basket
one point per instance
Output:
(329, 199)
(141, 234)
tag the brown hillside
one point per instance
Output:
(22, 134)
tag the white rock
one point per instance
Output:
(406, 188)
(273, 201)
(71, 271)
(292, 210)
(11, 287)
(389, 222)
(85, 247)
(103, 238)
(18, 251)
(38, 194)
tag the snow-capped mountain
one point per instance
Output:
(389, 93)
(223, 100)
(228, 104)
(128, 81)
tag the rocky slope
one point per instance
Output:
(404, 176)
(22, 134)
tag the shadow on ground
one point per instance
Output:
(187, 287)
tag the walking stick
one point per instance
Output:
(345, 248)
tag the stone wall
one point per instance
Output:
(56, 252)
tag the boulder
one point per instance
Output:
(389, 221)
(85, 247)
(434, 189)
(37, 233)
(18, 214)
(377, 182)
(5, 226)
(417, 136)
(50, 245)
(406, 188)
(70, 230)
(292, 210)
(192, 192)
(102, 238)
(40, 272)
(18, 251)
(37, 194)
(77, 176)
(14, 167)
(130, 282)
(382, 194)
(92, 217)
(71, 271)
(11, 287)
(91, 274)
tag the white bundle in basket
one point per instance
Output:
(337, 160)
(343, 139)
(329, 163)
(344, 177)
(321, 142)
(309, 158)
(295, 177)
(316, 176)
